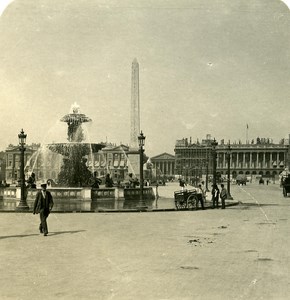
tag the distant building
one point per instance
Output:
(164, 165)
(112, 159)
(12, 160)
(2, 166)
(193, 159)
(261, 157)
(45, 164)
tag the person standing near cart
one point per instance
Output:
(182, 183)
(223, 196)
(200, 197)
(215, 192)
(43, 205)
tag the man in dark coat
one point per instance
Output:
(215, 192)
(43, 205)
(223, 196)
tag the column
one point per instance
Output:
(224, 161)
(251, 154)
(244, 160)
(217, 159)
(264, 160)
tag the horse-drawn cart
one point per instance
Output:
(286, 185)
(185, 199)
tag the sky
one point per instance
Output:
(206, 67)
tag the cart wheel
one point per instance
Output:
(191, 200)
(284, 192)
(182, 204)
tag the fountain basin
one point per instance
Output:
(81, 199)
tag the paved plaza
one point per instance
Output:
(237, 253)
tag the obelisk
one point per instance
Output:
(135, 106)
(133, 154)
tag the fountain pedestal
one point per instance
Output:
(134, 166)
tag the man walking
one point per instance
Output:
(43, 205)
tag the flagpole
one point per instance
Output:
(247, 138)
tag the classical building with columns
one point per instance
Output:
(164, 164)
(261, 157)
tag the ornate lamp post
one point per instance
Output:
(229, 171)
(141, 140)
(22, 141)
(214, 156)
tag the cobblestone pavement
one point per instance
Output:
(237, 253)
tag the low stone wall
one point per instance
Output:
(107, 198)
(9, 198)
(118, 198)
(80, 199)
(66, 199)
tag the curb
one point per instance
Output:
(125, 210)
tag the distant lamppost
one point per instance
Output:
(229, 171)
(206, 177)
(214, 157)
(141, 140)
(206, 174)
(22, 141)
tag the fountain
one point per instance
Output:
(74, 171)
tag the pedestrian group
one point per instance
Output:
(216, 194)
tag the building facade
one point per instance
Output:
(2, 167)
(44, 163)
(264, 158)
(261, 157)
(193, 160)
(12, 158)
(113, 160)
(163, 165)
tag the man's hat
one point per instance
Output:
(43, 185)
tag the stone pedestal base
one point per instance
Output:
(134, 163)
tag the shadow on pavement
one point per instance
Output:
(17, 236)
(259, 204)
(64, 232)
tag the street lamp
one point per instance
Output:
(141, 140)
(229, 171)
(22, 141)
(214, 156)
(206, 174)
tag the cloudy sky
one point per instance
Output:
(206, 66)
